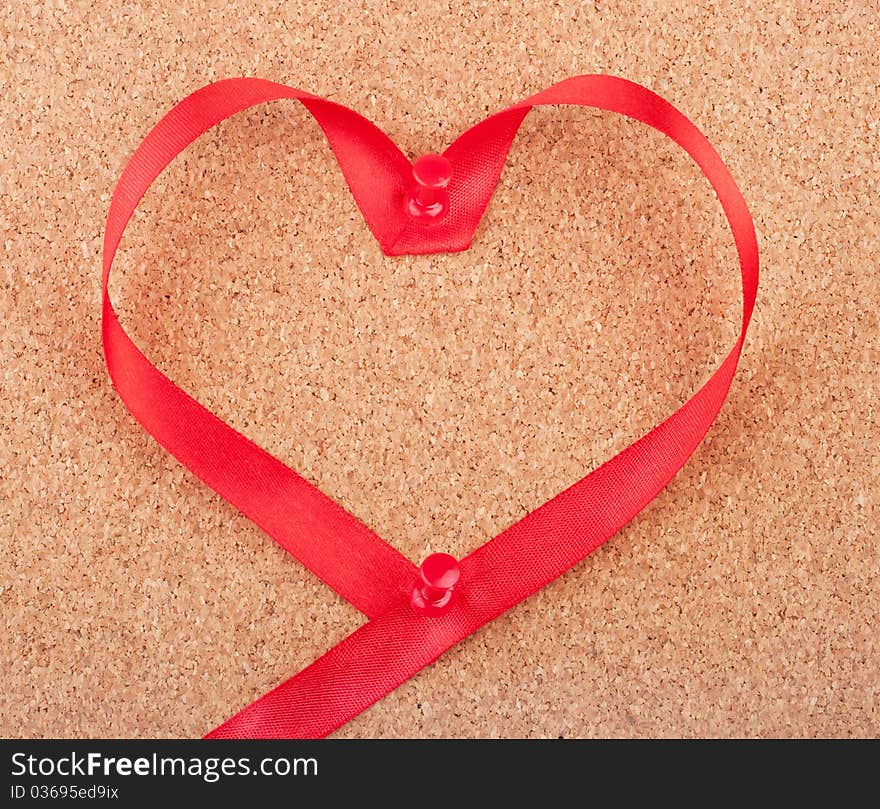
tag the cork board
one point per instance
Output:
(442, 398)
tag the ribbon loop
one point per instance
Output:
(399, 639)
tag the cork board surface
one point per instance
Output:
(442, 398)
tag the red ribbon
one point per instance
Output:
(398, 640)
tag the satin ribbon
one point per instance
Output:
(397, 641)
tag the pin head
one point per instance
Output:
(428, 199)
(438, 575)
(440, 571)
(432, 170)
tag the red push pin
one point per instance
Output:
(438, 576)
(428, 200)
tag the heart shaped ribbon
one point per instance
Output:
(399, 638)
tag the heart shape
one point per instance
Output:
(414, 615)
